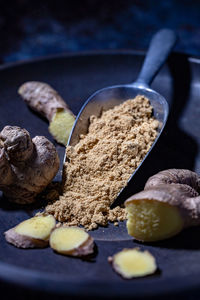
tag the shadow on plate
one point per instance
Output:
(188, 239)
(30, 209)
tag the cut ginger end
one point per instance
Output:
(61, 125)
(151, 220)
(31, 233)
(72, 241)
(131, 263)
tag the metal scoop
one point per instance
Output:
(161, 45)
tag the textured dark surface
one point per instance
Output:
(177, 258)
(42, 27)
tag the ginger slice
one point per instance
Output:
(73, 241)
(131, 263)
(31, 233)
(61, 125)
(151, 220)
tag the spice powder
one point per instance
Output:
(100, 165)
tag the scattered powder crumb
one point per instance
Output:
(100, 164)
(58, 225)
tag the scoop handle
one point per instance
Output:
(161, 45)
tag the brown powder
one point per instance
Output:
(102, 162)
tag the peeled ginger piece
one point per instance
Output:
(131, 263)
(73, 241)
(31, 233)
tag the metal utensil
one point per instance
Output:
(161, 45)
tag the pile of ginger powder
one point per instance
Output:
(100, 165)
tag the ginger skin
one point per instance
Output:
(27, 165)
(169, 203)
(42, 98)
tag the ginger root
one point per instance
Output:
(27, 165)
(169, 203)
(42, 98)
(131, 263)
(31, 233)
(73, 241)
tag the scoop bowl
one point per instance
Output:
(161, 45)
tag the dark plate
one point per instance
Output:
(76, 77)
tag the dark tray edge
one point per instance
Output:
(41, 281)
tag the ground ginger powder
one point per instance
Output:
(100, 164)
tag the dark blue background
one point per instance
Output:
(37, 28)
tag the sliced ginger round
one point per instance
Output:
(31, 233)
(151, 220)
(130, 263)
(72, 241)
(38, 227)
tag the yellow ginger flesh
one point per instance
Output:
(134, 263)
(38, 227)
(66, 239)
(151, 220)
(61, 125)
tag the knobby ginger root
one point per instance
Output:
(31, 233)
(27, 165)
(42, 98)
(73, 241)
(169, 203)
(131, 263)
